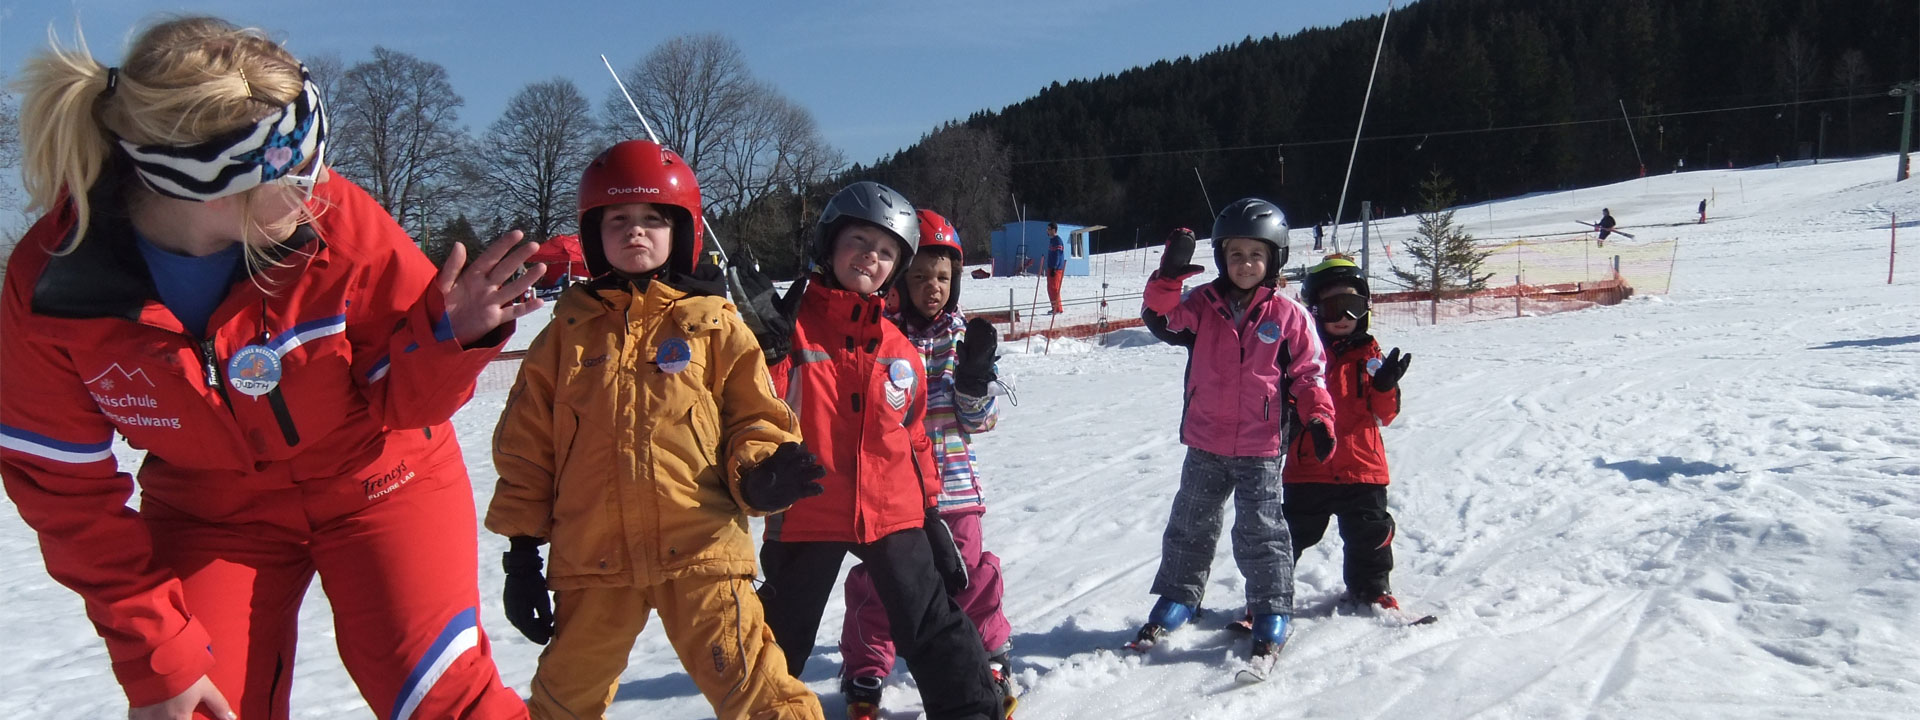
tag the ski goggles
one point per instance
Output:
(1341, 307)
(273, 150)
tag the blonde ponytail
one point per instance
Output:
(65, 145)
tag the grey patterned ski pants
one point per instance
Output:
(1261, 546)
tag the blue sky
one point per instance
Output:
(876, 75)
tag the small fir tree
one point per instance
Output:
(1444, 256)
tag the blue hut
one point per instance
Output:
(1021, 248)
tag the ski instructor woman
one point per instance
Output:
(203, 286)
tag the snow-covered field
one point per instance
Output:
(1704, 504)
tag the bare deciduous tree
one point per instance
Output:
(1849, 73)
(1798, 64)
(326, 69)
(693, 88)
(396, 117)
(776, 143)
(754, 150)
(533, 155)
(964, 174)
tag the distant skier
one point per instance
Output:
(1605, 226)
(1318, 236)
(1352, 484)
(1056, 266)
(1703, 212)
(1248, 344)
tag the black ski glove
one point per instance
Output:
(528, 606)
(782, 479)
(946, 553)
(1391, 369)
(766, 313)
(1178, 256)
(973, 362)
(1322, 439)
(706, 279)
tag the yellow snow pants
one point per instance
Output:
(715, 624)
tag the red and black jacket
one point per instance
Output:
(859, 387)
(1359, 411)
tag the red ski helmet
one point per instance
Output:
(641, 171)
(936, 232)
(939, 238)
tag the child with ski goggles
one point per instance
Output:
(1351, 484)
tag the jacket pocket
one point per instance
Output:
(586, 504)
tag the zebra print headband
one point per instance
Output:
(243, 158)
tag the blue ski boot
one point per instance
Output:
(1167, 616)
(1269, 637)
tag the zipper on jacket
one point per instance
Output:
(1266, 404)
(211, 363)
(214, 380)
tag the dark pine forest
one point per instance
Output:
(1504, 97)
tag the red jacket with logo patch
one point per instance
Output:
(364, 351)
(859, 387)
(1359, 413)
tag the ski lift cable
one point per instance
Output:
(1366, 100)
(1428, 134)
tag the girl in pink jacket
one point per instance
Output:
(1252, 353)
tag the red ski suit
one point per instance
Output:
(308, 432)
(1359, 411)
(859, 387)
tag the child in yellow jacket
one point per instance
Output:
(641, 433)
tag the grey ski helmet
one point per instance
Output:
(869, 202)
(1252, 218)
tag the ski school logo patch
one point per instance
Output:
(254, 371)
(674, 355)
(899, 383)
(1269, 332)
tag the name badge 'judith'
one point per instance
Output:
(254, 371)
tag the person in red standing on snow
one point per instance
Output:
(959, 357)
(860, 389)
(202, 285)
(1056, 266)
(1351, 485)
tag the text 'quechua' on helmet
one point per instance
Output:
(1257, 219)
(937, 237)
(869, 202)
(637, 171)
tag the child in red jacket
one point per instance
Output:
(859, 387)
(1352, 484)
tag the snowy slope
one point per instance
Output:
(1704, 504)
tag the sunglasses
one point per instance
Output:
(1340, 307)
(315, 166)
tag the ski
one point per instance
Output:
(1616, 231)
(1398, 616)
(1257, 670)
